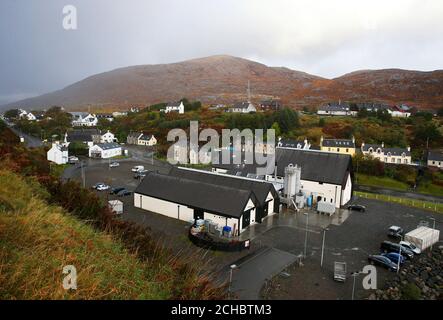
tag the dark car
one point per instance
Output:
(387, 246)
(357, 207)
(116, 190)
(394, 257)
(395, 232)
(124, 193)
(382, 261)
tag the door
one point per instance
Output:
(246, 219)
(198, 214)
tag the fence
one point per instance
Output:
(420, 204)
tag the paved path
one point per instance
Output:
(31, 142)
(249, 276)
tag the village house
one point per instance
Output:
(23, 114)
(387, 155)
(58, 153)
(435, 159)
(106, 116)
(343, 146)
(141, 139)
(89, 136)
(270, 105)
(105, 150)
(83, 119)
(340, 109)
(288, 143)
(242, 107)
(174, 107)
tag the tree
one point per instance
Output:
(277, 129)
(12, 114)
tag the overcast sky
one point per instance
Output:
(323, 37)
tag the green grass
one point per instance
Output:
(37, 240)
(381, 182)
(57, 169)
(430, 188)
(425, 205)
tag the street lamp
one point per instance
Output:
(306, 233)
(232, 267)
(323, 246)
(399, 255)
(354, 274)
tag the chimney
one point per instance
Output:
(353, 139)
(409, 149)
(321, 141)
(382, 144)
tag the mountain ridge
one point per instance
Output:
(223, 79)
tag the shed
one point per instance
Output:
(116, 206)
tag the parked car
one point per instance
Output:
(137, 168)
(357, 207)
(114, 164)
(116, 190)
(387, 246)
(124, 193)
(395, 232)
(383, 262)
(394, 257)
(102, 187)
(73, 159)
(95, 186)
(410, 246)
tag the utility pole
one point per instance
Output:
(323, 247)
(354, 274)
(306, 234)
(83, 173)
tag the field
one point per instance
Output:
(381, 182)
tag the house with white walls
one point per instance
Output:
(83, 119)
(175, 107)
(105, 150)
(58, 153)
(387, 155)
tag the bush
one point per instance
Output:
(410, 292)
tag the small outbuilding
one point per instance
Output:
(116, 206)
(105, 150)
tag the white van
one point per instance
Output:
(137, 168)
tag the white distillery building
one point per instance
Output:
(58, 153)
(105, 150)
(191, 194)
(327, 177)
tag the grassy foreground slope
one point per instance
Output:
(38, 240)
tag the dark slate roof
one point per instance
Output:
(107, 146)
(335, 107)
(435, 156)
(287, 143)
(393, 151)
(260, 189)
(338, 143)
(212, 198)
(134, 135)
(174, 104)
(84, 135)
(242, 105)
(146, 137)
(315, 165)
(104, 115)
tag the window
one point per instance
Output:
(338, 149)
(406, 161)
(347, 150)
(386, 159)
(331, 200)
(393, 160)
(329, 149)
(398, 160)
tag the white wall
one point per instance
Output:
(166, 208)
(347, 192)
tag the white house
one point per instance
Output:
(387, 155)
(58, 153)
(107, 137)
(175, 107)
(435, 159)
(105, 150)
(23, 114)
(141, 139)
(83, 119)
(242, 107)
(336, 110)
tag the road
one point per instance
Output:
(31, 142)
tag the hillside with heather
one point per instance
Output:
(223, 79)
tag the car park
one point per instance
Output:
(394, 257)
(116, 190)
(410, 246)
(137, 168)
(387, 246)
(114, 164)
(357, 207)
(382, 261)
(395, 232)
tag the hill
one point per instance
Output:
(223, 79)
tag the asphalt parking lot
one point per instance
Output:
(350, 240)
